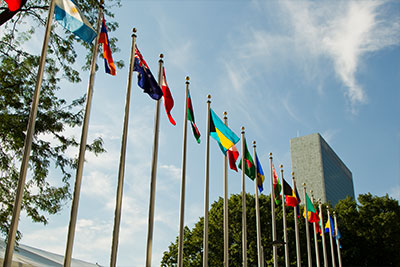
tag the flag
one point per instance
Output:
(233, 155)
(260, 175)
(311, 213)
(146, 79)
(108, 60)
(249, 168)
(277, 186)
(298, 203)
(329, 225)
(190, 117)
(221, 133)
(168, 100)
(290, 195)
(320, 226)
(13, 5)
(68, 13)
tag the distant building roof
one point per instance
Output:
(25, 256)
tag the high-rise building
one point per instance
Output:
(315, 163)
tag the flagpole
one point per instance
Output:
(121, 171)
(244, 226)
(82, 148)
(307, 230)
(183, 180)
(284, 226)
(153, 172)
(274, 247)
(258, 223)
(298, 255)
(330, 238)
(28, 144)
(296, 227)
(206, 185)
(337, 240)
(226, 215)
(315, 235)
(323, 233)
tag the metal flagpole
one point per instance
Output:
(244, 226)
(284, 225)
(28, 144)
(337, 240)
(183, 180)
(154, 172)
(323, 234)
(307, 230)
(207, 185)
(258, 223)
(298, 255)
(121, 171)
(274, 247)
(315, 235)
(226, 215)
(82, 148)
(330, 238)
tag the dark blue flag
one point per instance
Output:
(146, 79)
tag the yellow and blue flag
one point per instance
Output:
(260, 175)
(221, 133)
(69, 15)
(329, 225)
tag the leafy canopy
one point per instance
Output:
(45, 193)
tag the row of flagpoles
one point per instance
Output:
(216, 128)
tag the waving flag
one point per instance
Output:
(221, 133)
(146, 79)
(168, 100)
(329, 226)
(312, 215)
(290, 195)
(108, 60)
(190, 117)
(67, 12)
(277, 186)
(13, 5)
(233, 155)
(260, 175)
(249, 168)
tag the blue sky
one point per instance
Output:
(281, 69)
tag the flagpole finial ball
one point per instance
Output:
(187, 78)
(242, 128)
(254, 142)
(293, 174)
(334, 213)
(101, 2)
(225, 113)
(304, 184)
(311, 192)
(281, 166)
(161, 55)
(209, 96)
(134, 30)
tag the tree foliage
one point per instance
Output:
(370, 234)
(43, 195)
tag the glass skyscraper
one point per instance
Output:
(315, 163)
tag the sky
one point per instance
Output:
(281, 69)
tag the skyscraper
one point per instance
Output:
(315, 163)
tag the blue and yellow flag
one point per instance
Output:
(260, 175)
(329, 225)
(221, 133)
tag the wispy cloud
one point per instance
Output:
(316, 33)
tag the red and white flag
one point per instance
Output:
(168, 100)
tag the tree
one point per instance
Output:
(370, 234)
(370, 230)
(43, 195)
